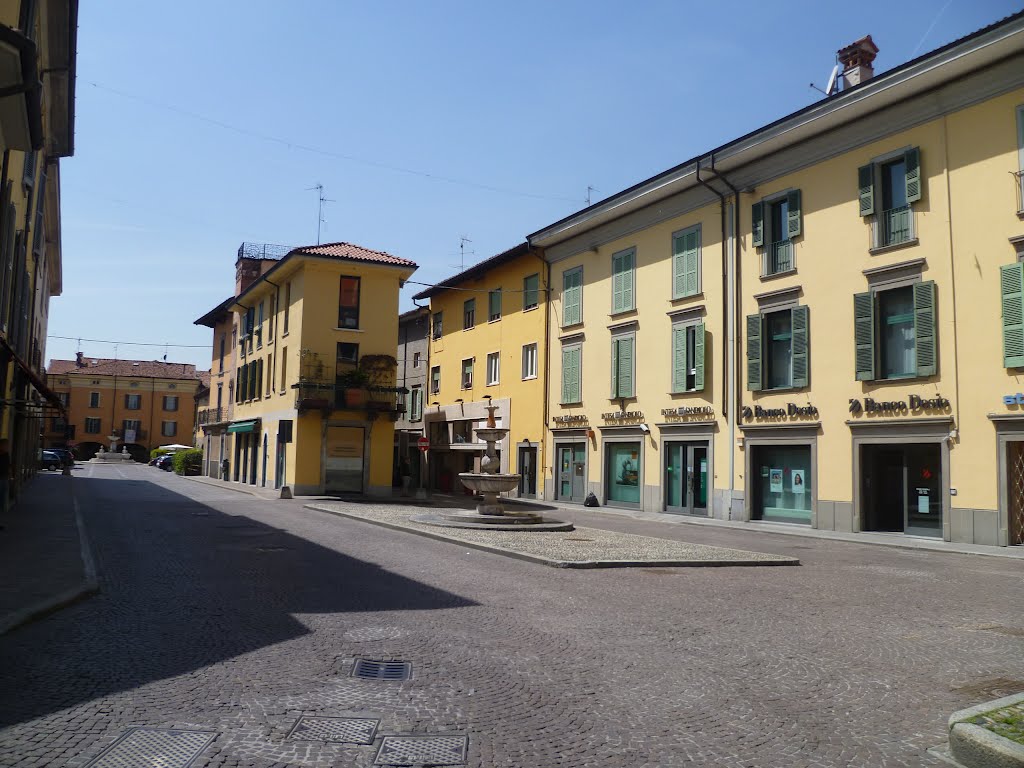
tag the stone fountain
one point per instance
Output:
(104, 456)
(490, 512)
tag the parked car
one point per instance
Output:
(66, 456)
(50, 460)
(165, 462)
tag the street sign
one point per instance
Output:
(423, 443)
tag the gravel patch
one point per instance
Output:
(580, 548)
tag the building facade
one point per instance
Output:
(143, 404)
(37, 40)
(487, 346)
(818, 323)
(315, 396)
(413, 364)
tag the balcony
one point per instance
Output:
(894, 227)
(208, 416)
(329, 396)
(778, 258)
(1018, 178)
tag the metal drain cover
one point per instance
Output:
(422, 750)
(382, 670)
(352, 730)
(161, 747)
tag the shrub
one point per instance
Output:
(188, 462)
(157, 452)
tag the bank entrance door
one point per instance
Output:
(902, 488)
(686, 478)
(572, 480)
(527, 473)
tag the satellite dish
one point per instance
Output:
(832, 80)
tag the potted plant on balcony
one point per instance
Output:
(352, 385)
(380, 372)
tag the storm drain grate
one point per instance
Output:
(422, 750)
(353, 730)
(161, 747)
(369, 669)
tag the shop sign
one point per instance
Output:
(623, 416)
(791, 411)
(571, 420)
(683, 411)
(913, 404)
(1017, 399)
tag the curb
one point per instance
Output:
(974, 746)
(86, 588)
(226, 486)
(566, 564)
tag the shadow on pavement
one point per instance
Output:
(183, 586)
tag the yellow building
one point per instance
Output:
(37, 69)
(819, 323)
(487, 345)
(314, 397)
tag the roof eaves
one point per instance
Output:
(209, 318)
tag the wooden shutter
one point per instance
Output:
(678, 358)
(625, 366)
(569, 362)
(753, 352)
(618, 282)
(864, 335)
(1011, 289)
(757, 222)
(572, 310)
(866, 185)
(912, 163)
(615, 368)
(794, 225)
(691, 262)
(628, 268)
(494, 304)
(924, 328)
(801, 346)
(698, 357)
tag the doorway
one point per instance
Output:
(343, 460)
(686, 478)
(902, 488)
(1015, 491)
(527, 464)
(572, 468)
(263, 481)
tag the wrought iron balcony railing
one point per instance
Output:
(1019, 179)
(895, 226)
(207, 416)
(328, 396)
(778, 257)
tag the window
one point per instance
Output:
(622, 365)
(259, 325)
(29, 175)
(255, 370)
(222, 354)
(494, 305)
(169, 428)
(348, 303)
(270, 318)
(572, 357)
(572, 297)
(287, 305)
(435, 379)
(778, 349)
(170, 402)
(240, 375)
(531, 292)
(63, 397)
(468, 314)
(898, 180)
(467, 373)
(284, 369)
(1020, 160)
(776, 220)
(416, 403)
(250, 327)
(686, 263)
(220, 396)
(415, 359)
(270, 374)
(895, 332)
(436, 325)
(234, 335)
(132, 430)
(133, 402)
(623, 278)
(493, 367)
(530, 361)
(688, 358)
(92, 425)
(348, 353)
(94, 399)
(39, 236)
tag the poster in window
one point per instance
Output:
(797, 481)
(775, 480)
(627, 473)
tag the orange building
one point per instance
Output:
(142, 403)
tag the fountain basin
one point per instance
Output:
(482, 482)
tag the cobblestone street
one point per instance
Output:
(224, 613)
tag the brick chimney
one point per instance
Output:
(78, 360)
(855, 60)
(246, 273)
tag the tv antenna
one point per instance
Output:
(320, 211)
(833, 83)
(462, 252)
(589, 190)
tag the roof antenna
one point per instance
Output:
(462, 252)
(320, 211)
(589, 190)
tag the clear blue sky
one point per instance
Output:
(536, 99)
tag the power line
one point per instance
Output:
(325, 152)
(130, 343)
(472, 290)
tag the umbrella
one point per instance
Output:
(175, 447)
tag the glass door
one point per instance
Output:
(579, 477)
(697, 473)
(675, 478)
(528, 472)
(923, 490)
(686, 478)
(565, 472)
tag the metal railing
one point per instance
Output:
(325, 396)
(1019, 178)
(895, 226)
(213, 416)
(778, 257)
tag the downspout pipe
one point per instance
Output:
(725, 287)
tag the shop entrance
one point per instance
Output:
(572, 480)
(902, 488)
(527, 472)
(1015, 491)
(343, 460)
(686, 478)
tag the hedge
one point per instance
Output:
(188, 462)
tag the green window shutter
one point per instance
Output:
(924, 328)
(494, 304)
(615, 368)
(572, 297)
(625, 367)
(628, 273)
(530, 286)
(678, 358)
(864, 335)
(801, 346)
(691, 262)
(1011, 289)
(912, 163)
(566, 362)
(753, 352)
(571, 375)
(794, 225)
(618, 282)
(757, 222)
(698, 357)
(866, 185)
(678, 270)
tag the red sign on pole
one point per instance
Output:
(423, 443)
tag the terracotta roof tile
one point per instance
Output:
(355, 253)
(104, 366)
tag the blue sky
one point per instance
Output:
(195, 121)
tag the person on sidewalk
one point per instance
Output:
(5, 476)
(405, 472)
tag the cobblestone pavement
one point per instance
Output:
(225, 613)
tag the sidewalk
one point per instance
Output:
(45, 561)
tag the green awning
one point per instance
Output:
(242, 426)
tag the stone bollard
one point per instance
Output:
(286, 492)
